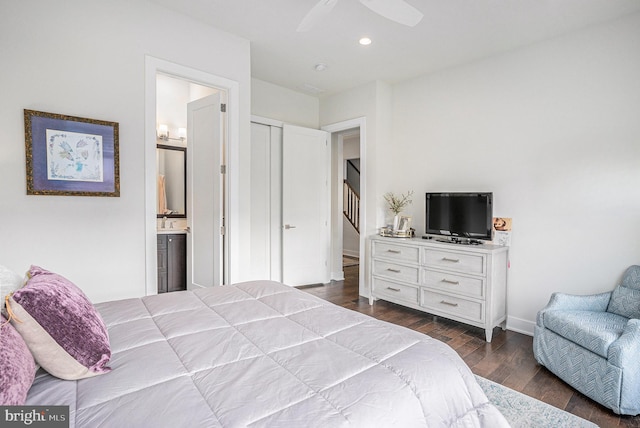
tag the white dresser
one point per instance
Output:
(466, 283)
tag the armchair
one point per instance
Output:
(593, 343)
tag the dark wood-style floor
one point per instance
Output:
(507, 360)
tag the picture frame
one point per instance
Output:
(71, 156)
(404, 224)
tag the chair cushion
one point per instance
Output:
(595, 331)
(625, 301)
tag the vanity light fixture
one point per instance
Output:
(365, 41)
(163, 133)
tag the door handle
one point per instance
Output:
(288, 226)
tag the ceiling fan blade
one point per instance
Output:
(319, 11)
(395, 10)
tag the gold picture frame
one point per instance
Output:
(71, 156)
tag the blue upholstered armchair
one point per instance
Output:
(593, 343)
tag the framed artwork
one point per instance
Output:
(71, 156)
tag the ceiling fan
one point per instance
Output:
(395, 10)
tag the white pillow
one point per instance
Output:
(9, 282)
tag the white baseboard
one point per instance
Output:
(520, 326)
(350, 253)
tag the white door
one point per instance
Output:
(305, 206)
(266, 202)
(206, 192)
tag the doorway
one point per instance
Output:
(339, 131)
(351, 197)
(228, 210)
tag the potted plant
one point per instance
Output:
(396, 204)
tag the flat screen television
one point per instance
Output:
(460, 215)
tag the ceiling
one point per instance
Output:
(452, 32)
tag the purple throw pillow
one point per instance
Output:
(17, 367)
(61, 327)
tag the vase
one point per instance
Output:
(396, 221)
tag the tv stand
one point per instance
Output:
(466, 284)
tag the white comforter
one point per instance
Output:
(264, 354)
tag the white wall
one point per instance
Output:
(88, 59)
(275, 102)
(554, 131)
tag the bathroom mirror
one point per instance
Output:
(172, 181)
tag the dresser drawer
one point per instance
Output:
(396, 252)
(393, 291)
(396, 272)
(457, 306)
(452, 283)
(456, 261)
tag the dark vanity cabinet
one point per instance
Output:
(172, 262)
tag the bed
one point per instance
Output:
(264, 354)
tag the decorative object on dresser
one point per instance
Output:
(401, 227)
(502, 231)
(466, 284)
(172, 262)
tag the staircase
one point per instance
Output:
(351, 194)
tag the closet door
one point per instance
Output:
(306, 206)
(266, 202)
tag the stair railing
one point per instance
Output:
(351, 204)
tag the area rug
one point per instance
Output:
(523, 411)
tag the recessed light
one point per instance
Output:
(320, 67)
(365, 41)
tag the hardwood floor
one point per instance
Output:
(507, 360)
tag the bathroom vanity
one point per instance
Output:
(172, 260)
